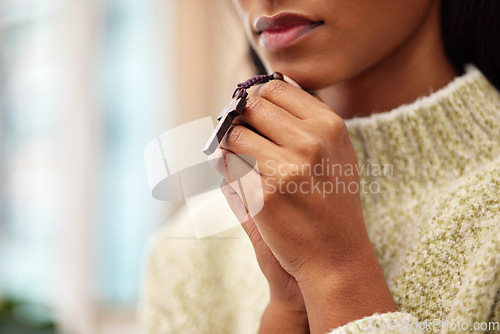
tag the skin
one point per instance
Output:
(313, 248)
(363, 49)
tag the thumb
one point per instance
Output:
(235, 202)
(294, 83)
(238, 207)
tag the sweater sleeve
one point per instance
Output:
(476, 306)
(386, 323)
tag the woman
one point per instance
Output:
(410, 239)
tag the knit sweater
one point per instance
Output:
(433, 219)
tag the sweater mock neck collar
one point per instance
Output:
(431, 141)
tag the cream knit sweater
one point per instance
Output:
(434, 225)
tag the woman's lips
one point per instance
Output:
(282, 30)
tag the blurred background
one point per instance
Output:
(84, 86)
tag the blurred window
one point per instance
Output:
(84, 86)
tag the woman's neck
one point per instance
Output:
(415, 69)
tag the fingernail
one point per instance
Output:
(291, 82)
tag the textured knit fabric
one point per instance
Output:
(433, 216)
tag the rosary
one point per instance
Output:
(235, 108)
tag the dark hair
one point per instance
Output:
(470, 32)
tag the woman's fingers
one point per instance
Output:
(251, 146)
(277, 116)
(262, 251)
(232, 167)
(270, 121)
(296, 101)
(235, 202)
(238, 207)
(291, 81)
(243, 178)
